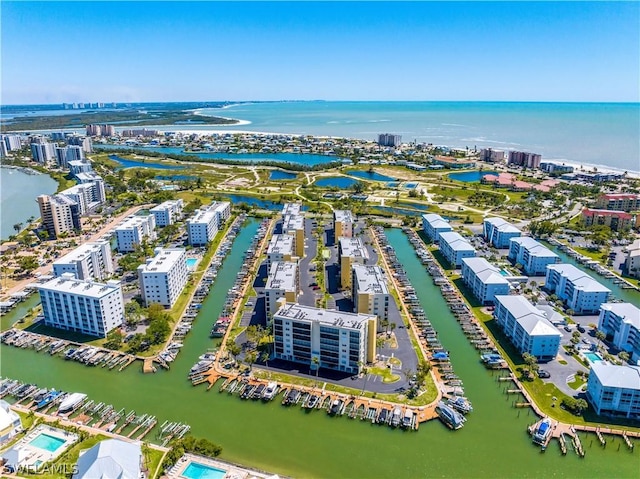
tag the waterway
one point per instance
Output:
(470, 176)
(369, 175)
(293, 442)
(335, 182)
(297, 158)
(18, 192)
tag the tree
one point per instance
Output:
(250, 358)
(132, 312)
(264, 357)
(600, 336)
(531, 363)
(114, 340)
(316, 364)
(233, 348)
(17, 227)
(158, 330)
(623, 356)
(28, 263)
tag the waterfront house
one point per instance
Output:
(621, 323)
(498, 232)
(484, 280)
(111, 458)
(577, 289)
(527, 327)
(532, 255)
(614, 390)
(454, 247)
(433, 225)
(337, 340)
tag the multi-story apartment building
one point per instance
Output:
(350, 251)
(527, 327)
(369, 291)
(90, 261)
(492, 156)
(291, 209)
(77, 167)
(282, 283)
(484, 280)
(337, 340)
(205, 222)
(133, 231)
(11, 142)
(43, 153)
(577, 289)
(281, 248)
(82, 306)
(343, 224)
(389, 139)
(83, 141)
(532, 255)
(619, 202)
(294, 225)
(616, 220)
(168, 212)
(454, 247)
(498, 232)
(621, 323)
(65, 154)
(614, 390)
(525, 159)
(59, 214)
(163, 277)
(632, 261)
(86, 195)
(433, 225)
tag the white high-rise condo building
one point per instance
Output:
(369, 291)
(88, 261)
(82, 306)
(43, 153)
(59, 214)
(166, 213)
(454, 247)
(577, 289)
(621, 322)
(337, 340)
(483, 279)
(163, 277)
(291, 209)
(282, 283)
(133, 231)
(280, 248)
(433, 225)
(294, 225)
(533, 256)
(498, 232)
(205, 222)
(614, 390)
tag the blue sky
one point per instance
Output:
(162, 51)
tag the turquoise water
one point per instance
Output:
(191, 262)
(18, 192)
(593, 357)
(336, 182)
(601, 134)
(144, 164)
(281, 175)
(298, 158)
(470, 176)
(410, 186)
(369, 175)
(47, 442)
(195, 470)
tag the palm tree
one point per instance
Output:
(600, 335)
(316, 364)
(17, 227)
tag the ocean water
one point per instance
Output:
(594, 134)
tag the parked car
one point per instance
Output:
(543, 374)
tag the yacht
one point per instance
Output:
(542, 432)
(71, 402)
(407, 419)
(461, 404)
(200, 367)
(450, 416)
(396, 417)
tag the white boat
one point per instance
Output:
(542, 432)
(71, 402)
(270, 392)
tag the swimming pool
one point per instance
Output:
(47, 442)
(410, 186)
(191, 262)
(592, 357)
(195, 470)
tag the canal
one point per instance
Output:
(294, 442)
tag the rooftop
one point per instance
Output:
(353, 247)
(610, 375)
(627, 311)
(133, 222)
(281, 244)
(370, 279)
(456, 241)
(111, 458)
(613, 213)
(580, 279)
(534, 247)
(331, 317)
(283, 275)
(502, 225)
(343, 216)
(436, 221)
(67, 283)
(291, 209)
(167, 205)
(82, 251)
(484, 270)
(163, 261)
(292, 222)
(528, 316)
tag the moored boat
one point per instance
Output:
(270, 391)
(460, 403)
(450, 416)
(396, 417)
(542, 432)
(72, 401)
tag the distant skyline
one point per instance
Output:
(54, 52)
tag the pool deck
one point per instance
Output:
(232, 471)
(37, 456)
